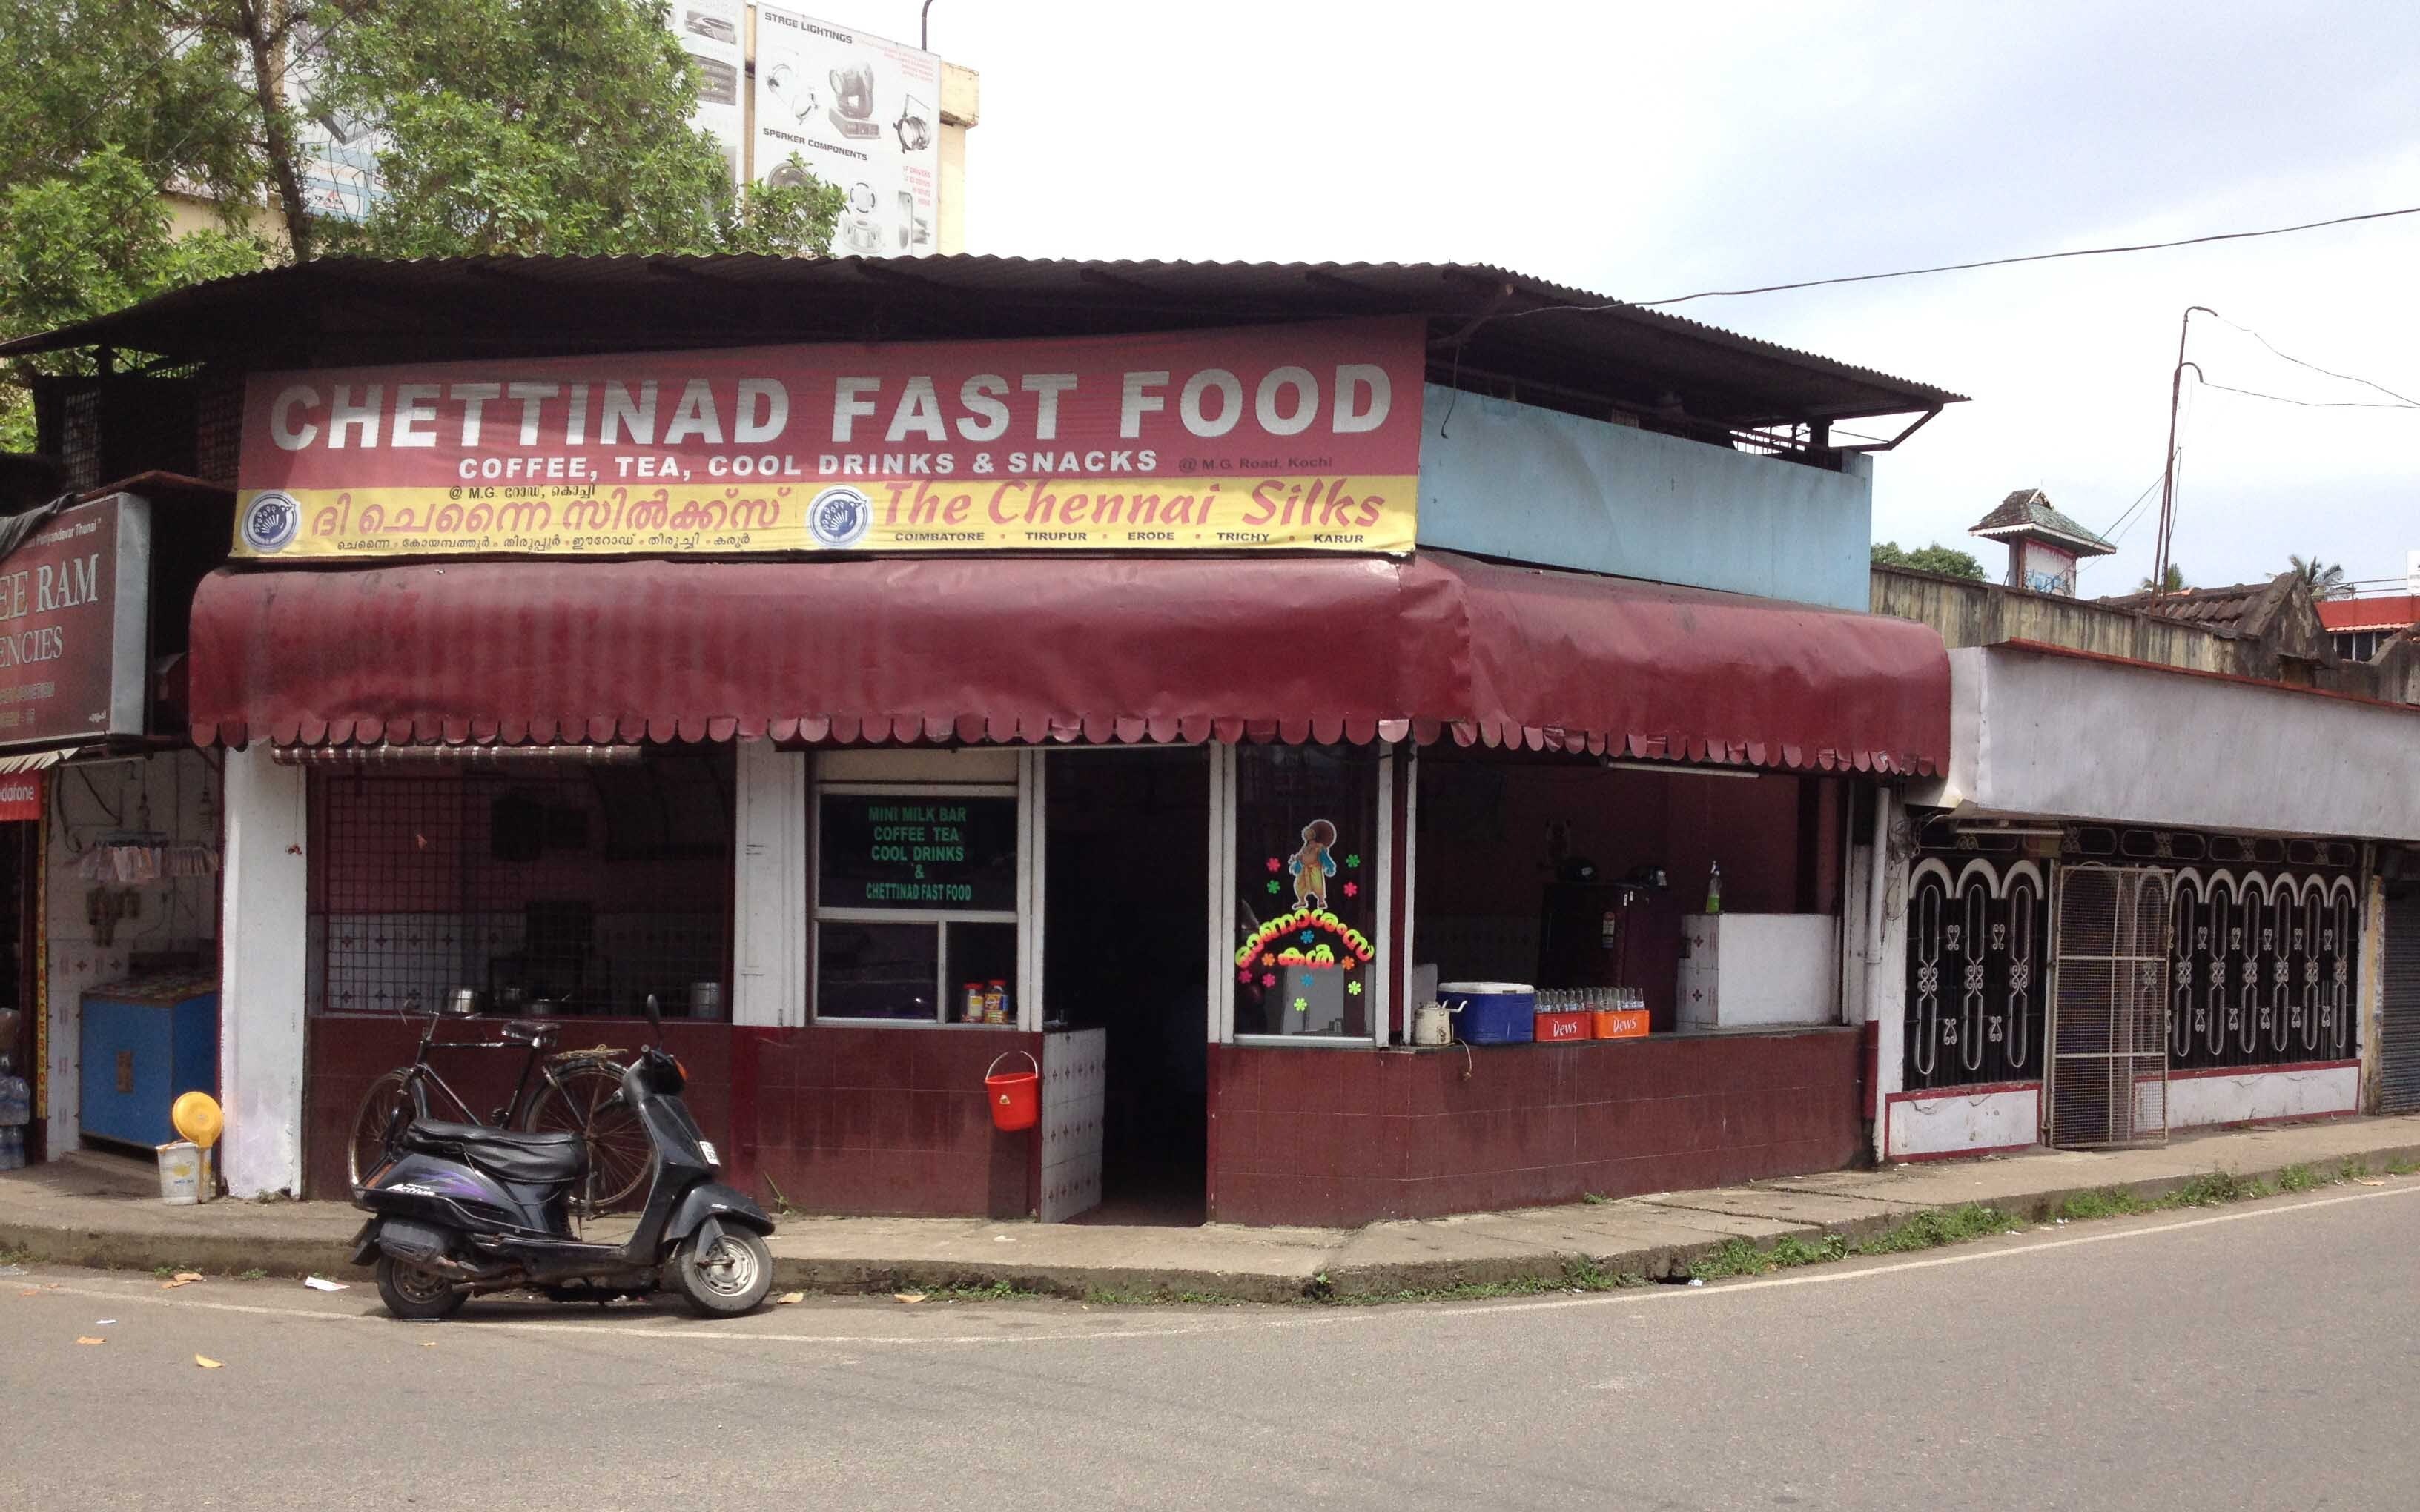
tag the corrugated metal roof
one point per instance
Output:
(1508, 331)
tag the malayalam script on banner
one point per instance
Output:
(1296, 438)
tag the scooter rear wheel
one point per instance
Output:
(730, 1278)
(414, 1294)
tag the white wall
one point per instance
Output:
(86, 803)
(769, 894)
(2037, 734)
(2198, 1100)
(261, 991)
(1955, 1122)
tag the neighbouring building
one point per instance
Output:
(2361, 627)
(1191, 665)
(2170, 877)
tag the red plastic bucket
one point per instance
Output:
(1015, 1098)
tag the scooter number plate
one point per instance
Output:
(711, 1158)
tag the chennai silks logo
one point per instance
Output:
(271, 521)
(840, 517)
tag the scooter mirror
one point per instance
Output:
(655, 1016)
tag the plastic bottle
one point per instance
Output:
(12, 1147)
(1715, 890)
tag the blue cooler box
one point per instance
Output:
(1491, 1012)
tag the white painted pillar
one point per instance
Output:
(262, 975)
(2369, 986)
(1886, 962)
(769, 893)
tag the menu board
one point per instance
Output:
(917, 852)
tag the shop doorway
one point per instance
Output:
(21, 945)
(1124, 904)
(2398, 1040)
(2109, 1011)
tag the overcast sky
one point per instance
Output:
(1645, 151)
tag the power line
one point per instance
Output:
(2344, 377)
(1987, 262)
(2110, 533)
(2307, 404)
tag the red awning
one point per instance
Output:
(1038, 649)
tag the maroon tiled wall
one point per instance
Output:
(1341, 1137)
(883, 1120)
(346, 1053)
(862, 1120)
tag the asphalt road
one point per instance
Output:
(2262, 1356)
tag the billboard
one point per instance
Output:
(709, 33)
(864, 115)
(74, 622)
(1301, 438)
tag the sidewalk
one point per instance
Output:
(96, 1210)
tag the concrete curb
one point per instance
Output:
(148, 1247)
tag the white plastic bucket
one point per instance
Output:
(180, 1172)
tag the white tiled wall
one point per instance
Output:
(1075, 1089)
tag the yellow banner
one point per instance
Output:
(1332, 513)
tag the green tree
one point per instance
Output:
(1946, 560)
(511, 127)
(2323, 581)
(2173, 583)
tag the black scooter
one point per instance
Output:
(461, 1209)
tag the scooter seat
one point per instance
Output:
(509, 1155)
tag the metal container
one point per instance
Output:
(463, 1002)
(1432, 1024)
(706, 1000)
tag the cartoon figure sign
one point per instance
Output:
(1313, 864)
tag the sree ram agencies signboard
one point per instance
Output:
(74, 621)
(1298, 438)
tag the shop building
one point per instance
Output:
(109, 816)
(1198, 663)
(2164, 880)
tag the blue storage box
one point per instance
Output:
(143, 1042)
(1491, 1012)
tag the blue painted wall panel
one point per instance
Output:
(1512, 481)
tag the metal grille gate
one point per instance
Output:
(2398, 1040)
(2109, 1033)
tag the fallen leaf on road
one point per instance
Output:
(786, 1298)
(86, 1339)
(183, 1276)
(909, 1297)
(430, 1344)
(2367, 1181)
(29, 1291)
(323, 1284)
(207, 1364)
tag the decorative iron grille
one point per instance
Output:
(585, 887)
(2264, 970)
(1977, 938)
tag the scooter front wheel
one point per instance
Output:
(729, 1277)
(413, 1294)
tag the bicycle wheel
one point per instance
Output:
(584, 1096)
(388, 1095)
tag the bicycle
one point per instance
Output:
(577, 1091)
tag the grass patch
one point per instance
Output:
(255, 1274)
(1120, 1297)
(2109, 1202)
(2401, 1165)
(1947, 1226)
(1594, 1200)
(16, 1257)
(1579, 1273)
(2302, 1179)
(1925, 1231)
(2216, 1189)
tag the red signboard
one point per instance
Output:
(1300, 438)
(75, 603)
(21, 798)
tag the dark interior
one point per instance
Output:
(1125, 892)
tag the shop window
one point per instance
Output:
(575, 888)
(916, 905)
(1308, 853)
